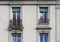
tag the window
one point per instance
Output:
(43, 15)
(43, 37)
(15, 26)
(16, 37)
(16, 15)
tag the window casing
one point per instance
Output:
(43, 15)
(16, 37)
(16, 15)
(43, 36)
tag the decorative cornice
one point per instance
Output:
(29, 2)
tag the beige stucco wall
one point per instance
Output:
(29, 17)
(4, 22)
(58, 22)
(29, 22)
(52, 23)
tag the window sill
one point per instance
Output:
(43, 28)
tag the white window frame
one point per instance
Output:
(39, 11)
(11, 17)
(11, 14)
(10, 35)
(41, 31)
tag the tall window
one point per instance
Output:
(16, 15)
(16, 37)
(43, 16)
(43, 37)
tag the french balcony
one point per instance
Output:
(43, 22)
(15, 25)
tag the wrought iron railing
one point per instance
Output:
(43, 22)
(14, 24)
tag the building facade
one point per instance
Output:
(29, 21)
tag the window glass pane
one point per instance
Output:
(18, 34)
(16, 12)
(43, 37)
(16, 15)
(43, 14)
(16, 37)
(14, 18)
(18, 18)
(46, 37)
